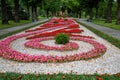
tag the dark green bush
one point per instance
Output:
(61, 38)
(24, 16)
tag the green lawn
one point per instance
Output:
(13, 24)
(15, 76)
(110, 25)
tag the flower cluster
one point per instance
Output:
(35, 43)
(54, 33)
(69, 24)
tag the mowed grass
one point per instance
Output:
(13, 24)
(17, 76)
(112, 25)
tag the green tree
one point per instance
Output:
(109, 12)
(16, 9)
(88, 6)
(4, 12)
(26, 5)
(64, 6)
(118, 10)
(73, 6)
(53, 6)
(34, 4)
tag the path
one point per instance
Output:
(8, 30)
(109, 31)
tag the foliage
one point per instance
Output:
(60, 76)
(71, 4)
(61, 38)
(24, 15)
(52, 5)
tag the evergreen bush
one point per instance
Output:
(61, 38)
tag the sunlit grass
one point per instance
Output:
(112, 25)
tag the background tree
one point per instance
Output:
(4, 12)
(94, 9)
(73, 7)
(88, 6)
(53, 6)
(34, 4)
(16, 8)
(109, 12)
(26, 5)
(118, 10)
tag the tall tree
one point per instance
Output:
(34, 4)
(34, 13)
(109, 12)
(89, 5)
(4, 12)
(53, 6)
(118, 9)
(93, 4)
(16, 7)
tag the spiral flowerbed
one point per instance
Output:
(46, 32)
(37, 45)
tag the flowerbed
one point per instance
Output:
(37, 45)
(54, 33)
(9, 53)
(69, 24)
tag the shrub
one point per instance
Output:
(61, 38)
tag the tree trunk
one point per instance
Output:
(80, 13)
(28, 10)
(34, 13)
(4, 12)
(16, 17)
(36, 16)
(109, 12)
(47, 13)
(96, 13)
(91, 14)
(53, 14)
(118, 16)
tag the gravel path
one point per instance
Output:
(108, 63)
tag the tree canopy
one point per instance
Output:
(25, 9)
